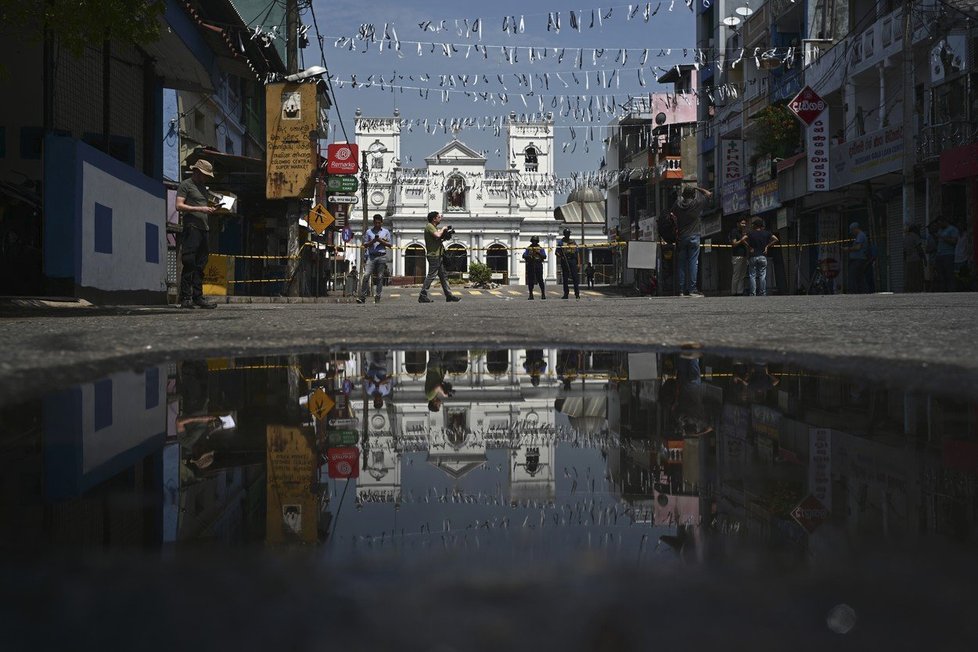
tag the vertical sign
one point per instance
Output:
(733, 159)
(291, 507)
(291, 122)
(813, 111)
(820, 465)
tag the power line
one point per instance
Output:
(329, 83)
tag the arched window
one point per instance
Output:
(497, 362)
(455, 194)
(415, 362)
(530, 155)
(457, 258)
(414, 261)
(497, 258)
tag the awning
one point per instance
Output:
(571, 213)
(231, 172)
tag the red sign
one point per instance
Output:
(342, 158)
(344, 463)
(807, 105)
(810, 513)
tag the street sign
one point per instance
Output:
(320, 403)
(347, 386)
(343, 463)
(347, 234)
(342, 158)
(342, 183)
(342, 423)
(319, 219)
(807, 105)
(343, 199)
(810, 513)
(342, 437)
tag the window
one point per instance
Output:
(457, 258)
(414, 261)
(497, 362)
(415, 362)
(531, 159)
(497, 258)
(455, 194)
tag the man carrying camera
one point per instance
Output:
(434, 239)
(376, 242)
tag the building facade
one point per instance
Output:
(494, 212)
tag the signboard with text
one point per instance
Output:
(732, 159)
(342, 158)
(342, 183)
(291, 116)
(808, 105)
(764, 197)
(810, 513)
(865, 157)
(344, 463)
(733, 196)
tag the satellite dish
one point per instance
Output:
(744, 11)
(731, 21)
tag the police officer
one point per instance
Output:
(534, 257)
(567, 255)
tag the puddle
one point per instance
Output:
(518, 460)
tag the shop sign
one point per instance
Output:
(344, 463)
(732, 152)
(342, 158)
(808, 105)
(290, 506)
(766, 421)
(710, 224)
(342, 183)
(764, 197)
(733, 196)
(865, 157)
(810, 513)
(820, 464)
(343, 437)
(817, 152)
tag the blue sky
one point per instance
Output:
(673, 30)
(578, 148)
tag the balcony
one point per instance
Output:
(670, 168)
(935, 139)
(757, 26)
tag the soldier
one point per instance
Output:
(567, 255)
(534, 257)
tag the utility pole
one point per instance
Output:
(909, 93)
(295, 268)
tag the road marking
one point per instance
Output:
(495, 293)
(475, 292)
(515, 293)
(591, 294)
(395, 296)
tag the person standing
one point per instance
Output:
(738, 257)
(913, 260)
(193, 204)
(947, 241)
(858, 259)
(534, 256)
(759, 240)
(377, 241)
(687, 211)
(567, 255)
(589, 273)
(434, 238)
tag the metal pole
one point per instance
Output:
(909, 153)
(294, 266)
(363, 190)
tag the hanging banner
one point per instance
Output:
(817, 151)
(291, 115)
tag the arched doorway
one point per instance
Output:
(497, 362)
(414, 261)
(497, 258)
(457, 258)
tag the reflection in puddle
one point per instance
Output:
(505, 454)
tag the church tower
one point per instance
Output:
(380, 138)
(530, 153)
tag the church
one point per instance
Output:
(494, 212)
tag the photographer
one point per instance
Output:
(436, 388)
(376, 242)
(434, 239)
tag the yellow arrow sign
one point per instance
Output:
(320, 219)
(320, 404)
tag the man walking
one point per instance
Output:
(434, 245)
(193, 204)
(687, 211)
(738, 257)
(567, 255)
(534, 256)
(376, 242)
(858, 259)
(759, 240)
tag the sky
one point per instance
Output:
(577, 147)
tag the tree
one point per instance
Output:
(79, 23)
(778, 132)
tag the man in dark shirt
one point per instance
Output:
(687, 211)
(192, 203)
(738, 257)
(759, 240)
(567, 255)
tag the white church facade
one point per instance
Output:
(494, 212)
